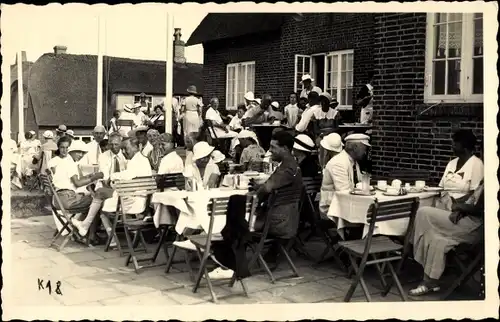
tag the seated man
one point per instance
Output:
(257, 114)
(218, 129)
(339, 174)
(235, 124)
(438, 231)
(303, 149)
(171, 162)
(137, 166)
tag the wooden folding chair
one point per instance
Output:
(285, 196)
(473, 263)
(141, 186)
(63, 215)
(203, 242)
(381, 249)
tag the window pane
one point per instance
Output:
(455, 17)
(349, 61)
(439, 77)
(307, 65)
(478, 15)
(328, 82)
(440, 17)
(344, 63)
(454, 39)
(477, 78)
(453, 77)
(334, 79)
(346, 97)
(334, 93)
(300, 64)
(440, 42)
(349, 78)
(478, 37)
(328, 64)
(342, 79)
(335, 63)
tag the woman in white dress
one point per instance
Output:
(204, 172)
(191, 109)
(219, 129)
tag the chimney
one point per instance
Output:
(179, 47)
(60, 49)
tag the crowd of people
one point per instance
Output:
(304, 145)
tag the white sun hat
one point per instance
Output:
(249, 96)
(202, 149)
(247, 134)
(48, 134)
(78, 145)
(218, 156)
(275, 104)
(70, 133)
(303, 143)
(332, 142)
(306, 77)
(358, 137)
(137, 105)
(127, 108)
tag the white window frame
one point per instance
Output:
(466, 64)
(339, 55)
(247, 88)
(81, 137)
(302, 72)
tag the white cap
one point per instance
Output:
(48, 134)
(332, 142)
(247, 134)
(32, 132)
(137, 105)
(78, 145)
(327, 95)
(275, 104)
(358, 137)
(218, 156)
(100, 129)
(127, 108)
(201, 150)
(303, 143)
(306, 77)
(70, 133)
(249, 96)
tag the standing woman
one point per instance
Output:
(113, 127)
(191, 108)
(326, 118)
(157, 121)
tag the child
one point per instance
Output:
(292, 111)
(235, 124)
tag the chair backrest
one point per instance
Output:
(46, 183)
(312, 185)
(170, 180)
(50, 189)
(137, 187)
(124, 122)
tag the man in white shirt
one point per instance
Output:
(93, 147)
(218, 129)
(137, 166)
(171, 162)
(308, 113)
(235, 124)
(308, 86)
(141, 133)
(339, 173)
(258, 114)
(140, 118)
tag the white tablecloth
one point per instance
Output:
(192, 206)
(348, 209)
(227, 181)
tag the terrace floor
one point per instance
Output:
(90, 277)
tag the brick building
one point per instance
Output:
(428, 72)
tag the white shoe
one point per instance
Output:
(186, 244)
(221, 274)
(147, 218)
(82, 230)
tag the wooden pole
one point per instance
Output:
(169, 73)
(20, 95)
(99, 71)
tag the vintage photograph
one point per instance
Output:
(169, 156)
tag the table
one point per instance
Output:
(259, 180)
(264, 133)
(348, 209)
(192, 206)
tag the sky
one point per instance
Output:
(137, 31)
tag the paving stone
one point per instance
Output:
(156, 298)
(253, 284)
(86, 256)
(185, 295)
(96, 279)
(343, 284)
(181, 278)
(111, 265)
(378, 298)
(75, 296)
(264, 297)
(145, 285)
(306, 293)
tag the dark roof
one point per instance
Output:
(230, 25)
(63, 87)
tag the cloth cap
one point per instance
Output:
(100, 129)
(358, 137)
(62, 128)
(249, 96)
(218, 156)
(275, 104)
(48, 134)
(306, 77)
(78, 145)
(127, 108)
(192, 89)
(201, 150)
(303, 143)
(332, 142)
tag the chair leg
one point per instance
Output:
(170, 258)
(244, 287)
(358, 279)
(130, 244)
(396, 280)
(202, 270)
(289, 260)
(135, 242)
(142, 241)
(160, 244)
(466, 275)
(268, 271)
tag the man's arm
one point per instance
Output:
(340, 177)
(304, 120)
(279, 179)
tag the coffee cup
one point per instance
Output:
(382, 184)
(229, 180)
(396, 184)
(420, 184)
(392, 191)
(359, 185)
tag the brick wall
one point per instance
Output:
(262, 48)
(274, 52)
(401, 138)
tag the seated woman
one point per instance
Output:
(66, 177)
(463, 173)
(438, 231)
(157, 121)
(251, 151)
(171, 161)
(218, 129)
(303, 149)
(203, 172)
(330, 146)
